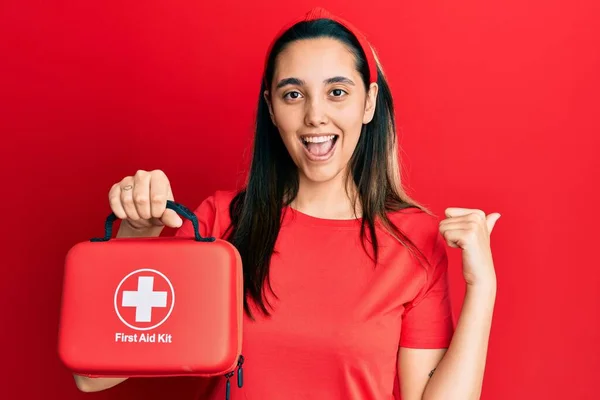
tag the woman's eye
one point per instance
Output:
(291, 95)
(338, 92)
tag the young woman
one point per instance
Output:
(345, 275)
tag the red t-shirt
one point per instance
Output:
(338, 321)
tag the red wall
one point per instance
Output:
(497, 103)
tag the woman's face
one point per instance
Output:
(319, 104)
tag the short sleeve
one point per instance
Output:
(208, 222)
(427, 321)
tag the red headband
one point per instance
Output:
(319, 13)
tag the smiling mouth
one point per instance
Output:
(319, 146)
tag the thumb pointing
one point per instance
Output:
(491, 221)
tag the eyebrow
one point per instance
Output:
(300, 82)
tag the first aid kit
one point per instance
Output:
(153, 306)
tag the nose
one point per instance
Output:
(316, 113)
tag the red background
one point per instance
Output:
(497, 103)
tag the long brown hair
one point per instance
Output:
(256, 211)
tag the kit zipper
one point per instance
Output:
(240, 377)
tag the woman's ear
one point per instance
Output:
(370, 103)
(268, 101)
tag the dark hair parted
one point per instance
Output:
(256, 211)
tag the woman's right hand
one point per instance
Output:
(141, 201)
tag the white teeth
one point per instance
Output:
(318, 139)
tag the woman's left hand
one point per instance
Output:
(470, 230)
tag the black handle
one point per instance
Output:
(179, 208)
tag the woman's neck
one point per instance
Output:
(329, 199)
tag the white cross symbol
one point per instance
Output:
(144, 299)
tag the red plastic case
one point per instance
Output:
(163, 306)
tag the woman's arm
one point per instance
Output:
(457, 371)
(87, 385)
(459, 375)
